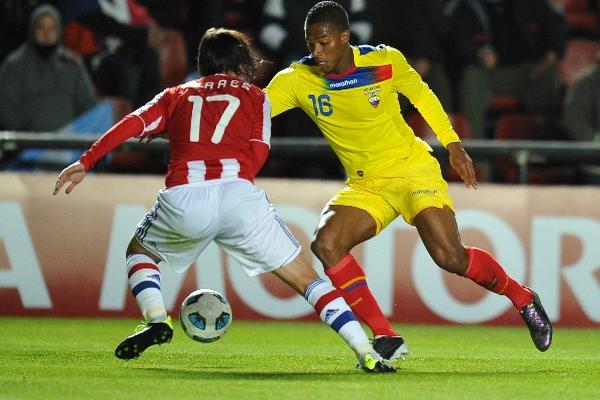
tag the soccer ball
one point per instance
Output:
(205, 315)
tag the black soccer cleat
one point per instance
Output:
(538, 322)
(150, 334)
(391, 348)
(372, 363)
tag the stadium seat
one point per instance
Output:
(579, 54)
(424, 131)
(500, 104)
(572, 5)
(530, 127)
(121, 106)
(522, 126)
(579, 16)
(173, 60)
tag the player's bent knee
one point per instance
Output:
(454, 260)
(325, 249)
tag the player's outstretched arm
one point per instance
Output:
(74, 174)
(462, 163)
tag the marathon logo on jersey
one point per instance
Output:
(344, 83)
(361, 76)
(427, 192)
(372, 93)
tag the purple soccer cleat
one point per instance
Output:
(538, 322)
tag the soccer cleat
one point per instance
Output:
(145, 336)
(391, 348)
(373, 363)
(538, 322)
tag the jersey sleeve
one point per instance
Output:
(154, 114)
(408, 82)
(126, 128)
(260, 141)
(261, 130)
(147, 120)
(281, 93)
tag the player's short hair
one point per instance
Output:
(328, 12)
(226, 50)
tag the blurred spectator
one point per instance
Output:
(195, 17)
(43, 85)
(418, 29)
(119, 41)
(581, 113)
(282, 28)
(14, 22)
(507, 47)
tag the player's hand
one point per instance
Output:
(462, 163)
(74, 173)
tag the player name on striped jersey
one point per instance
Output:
(220, 84)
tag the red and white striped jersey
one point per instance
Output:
(212, 123)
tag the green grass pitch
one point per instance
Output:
(45, 358)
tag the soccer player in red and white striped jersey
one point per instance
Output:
(218, 127)
(219, 130)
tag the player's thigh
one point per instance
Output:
(359, 208)
(439, 233)
(422, 187)
(165, 229)
(252, 232)
(345, 225)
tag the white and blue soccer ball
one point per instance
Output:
(205, 315)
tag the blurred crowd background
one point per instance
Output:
(503, 69)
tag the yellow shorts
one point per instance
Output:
(419, 185)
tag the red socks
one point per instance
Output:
(484, 270)
(349, 279)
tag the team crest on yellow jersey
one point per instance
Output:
(372, 93)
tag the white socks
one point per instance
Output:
(144, 282)
(335, 312)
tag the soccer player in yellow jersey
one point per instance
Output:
(351, 93)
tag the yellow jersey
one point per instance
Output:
(358, 111)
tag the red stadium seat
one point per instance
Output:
(585, 22)
(173, 60)
(573, 6)
(121, 106)
(579, 16)
(522, 126)
(530, 127)
(424, 131)
(580, 53)
(503, 103)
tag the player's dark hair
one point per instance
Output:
(225, 50)
(328, 12)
